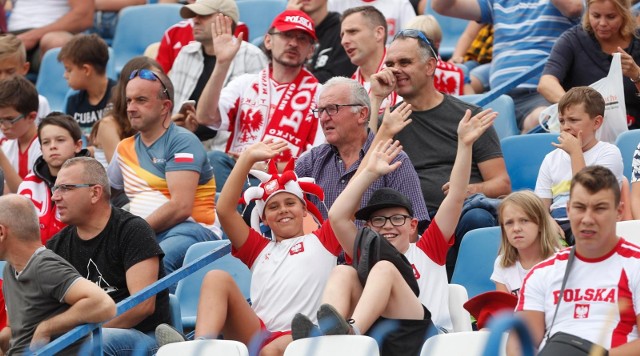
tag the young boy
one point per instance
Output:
(85, 60)
(18, 112)
(61, 139)
(289, 271)
(581, 113)
(386, 295)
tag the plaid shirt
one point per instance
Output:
(481, 49)
(325, 165)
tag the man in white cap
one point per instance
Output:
(276, 103)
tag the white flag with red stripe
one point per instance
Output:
(184, 157)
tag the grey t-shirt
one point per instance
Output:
(431, 142)
(35, 295)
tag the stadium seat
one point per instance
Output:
(468, 343)
(523, 155)
(334, 345)
(478, 252)
(630, 230)
(174, 309)
(627, 142)
(505, 123)
(452, 28)
(51, 83)
(460, 317)
(258, 15)
(188, 289)
(204, 347)
(138, 27)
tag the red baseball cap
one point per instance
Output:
(294, 20)
(485, 306)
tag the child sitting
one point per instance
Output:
(85, 60)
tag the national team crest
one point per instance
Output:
(297, 248)
(581, 311)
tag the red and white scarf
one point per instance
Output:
(392, 99)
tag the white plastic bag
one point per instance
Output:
(615, 112)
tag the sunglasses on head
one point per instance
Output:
(420, 36)
(148, 74)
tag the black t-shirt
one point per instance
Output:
(329, 59)
(209, 63)
(83, 112)
(125, 241)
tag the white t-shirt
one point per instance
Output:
(397, 12)
(554, 178)
(511, 276)
(428, 258)
(22, 162)
(27, 14)
(288, 277)
(591, 306)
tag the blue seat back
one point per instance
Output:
(176, 316)
(627, 142)
(523, 155)
(505, 123)
(51, 83)
(452, 28)
(478, 252)
(188, 289)
(259, 14)
(138, 27)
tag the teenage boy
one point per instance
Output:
(85, 60)
(581, 112)
(61, 139)
(385, 295)
(18, 111)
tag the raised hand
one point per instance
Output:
(471, 128)
(569, 143)
(225, 45)
(396, 120)
(380, 161)
(383, 83)
(267, 149)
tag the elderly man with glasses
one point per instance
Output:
(164, 170)
(430, 140)
(343, 111)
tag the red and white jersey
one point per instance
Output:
(448, 78)
(22, 162)
(241, 110)
(602, 296)
(288, 276)
(428, 258)
(37, 190)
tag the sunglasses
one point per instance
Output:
(420, 36)
(148, 74)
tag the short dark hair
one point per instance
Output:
(373, 15)
(86, 49)
(592, 101)
(64, 121)
(595, 179)
(20, 94)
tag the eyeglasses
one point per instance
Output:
(63, 188)
(290, 35)
(147, 74)
(396, 220)
(330, 109)
(419, 35)
(10, 122)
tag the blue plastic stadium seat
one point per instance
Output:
(627, 142)
(505, 123)
(478, 252)
(258, 15)
(188, 290)
(174, 309)
(523, 155)
(138, 27)
(51, 83)
(452, 28)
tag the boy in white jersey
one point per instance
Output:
(601, 300)
(385, 294)
(581, 112)
(288, 272)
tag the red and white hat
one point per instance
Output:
(272, 183)
(294, 20)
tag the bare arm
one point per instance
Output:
(635, 200)
(343, 209)
(496, 179)
(108, 136)
(465, 40)
(78, 19)
(536, 325)
(226, 46)
(549, 87)
(182, 188)
(469, 130)
(569, 8)
(5, 337)
(232, 222)
(89, 304)
(10, 175)
(138, 276)
(630, 348)
(464, 9)
(116, 5)
(501, 287)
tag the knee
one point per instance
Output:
(476, 218)
(217, 279)
(54, 39)
(384, 269)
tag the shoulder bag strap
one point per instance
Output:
(572, 256)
